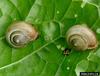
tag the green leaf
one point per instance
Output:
(44, 56)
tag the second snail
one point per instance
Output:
(20, 33)
(81, 37)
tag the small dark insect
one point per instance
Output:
(66, 51)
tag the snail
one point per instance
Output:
(81, 38)
(20, 33)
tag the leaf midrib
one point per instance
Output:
(29, 54)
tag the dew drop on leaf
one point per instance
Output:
(98, 31)
(58, 46)
(58, 12)
(62, 48)
(75, 15)
(68, 68)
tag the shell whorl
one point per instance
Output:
(81, 38)
(20, 33)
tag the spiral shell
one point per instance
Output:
(81, 38)
(20, 33)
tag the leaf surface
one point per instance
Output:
(44, 56)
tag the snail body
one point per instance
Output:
(81, 38)
(20, 33)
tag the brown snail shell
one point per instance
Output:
(81, 38)
(20, 33)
